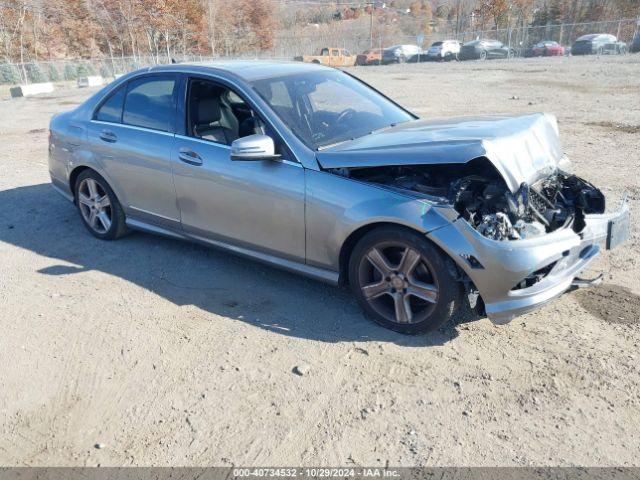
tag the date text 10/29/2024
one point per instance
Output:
(316, 472)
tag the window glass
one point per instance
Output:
(279, 95)
(149, 103)
(327, 107)
(111, 110)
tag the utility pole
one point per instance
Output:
(371, 7)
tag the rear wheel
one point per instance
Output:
(99, 208)
(403, 282)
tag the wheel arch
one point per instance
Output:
(73, 177)
(354, 237)
(78, 169)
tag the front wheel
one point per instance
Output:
(402, 281)
(99, 208)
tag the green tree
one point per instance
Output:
(53, 73)
(34, 73)
(70, 71)
(9, 74)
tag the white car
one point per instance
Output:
(401, 54)
(445, 50)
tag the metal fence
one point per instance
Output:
(287, 46)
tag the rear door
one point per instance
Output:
(131, 134)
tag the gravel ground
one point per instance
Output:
(166, 353)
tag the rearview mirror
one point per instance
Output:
(253, 147)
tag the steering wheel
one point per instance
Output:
(349, 112)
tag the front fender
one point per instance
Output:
(336, 207)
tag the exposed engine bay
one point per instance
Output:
(480, 195)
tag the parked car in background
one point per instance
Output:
(400, 53)
(546, 48)
(598, 44)
(484, 50)
(635, 45)
(331, 57)
(445, 50)
(372, 56)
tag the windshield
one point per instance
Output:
(327, 107)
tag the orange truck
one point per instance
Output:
(332, 57)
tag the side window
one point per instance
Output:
(335, 53)
(280, 95)
(149, 103)
(324, 52)
(111, 109)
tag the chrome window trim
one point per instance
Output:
(203, 141)
(133, 127)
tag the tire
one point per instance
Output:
(96, 204)
(387, 297)
(317, 62)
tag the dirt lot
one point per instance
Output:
(171, 354)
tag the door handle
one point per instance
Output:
(108, 136)
(187, 155)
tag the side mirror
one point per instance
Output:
(253, 147)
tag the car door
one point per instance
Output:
(497, 50)
(131, 134)
(334, 59)
(251, 204)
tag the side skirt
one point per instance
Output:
(326, 276)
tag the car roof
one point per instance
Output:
(249, 70)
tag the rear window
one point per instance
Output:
(111, 109)
(149, 103)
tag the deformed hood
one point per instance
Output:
(522, 148)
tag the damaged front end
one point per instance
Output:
(481, 197)
(522, 227)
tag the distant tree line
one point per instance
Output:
(50, 29)
(35, 30)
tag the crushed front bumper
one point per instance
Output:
(499, 269)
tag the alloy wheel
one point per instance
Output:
(398, 283)
(95, 205)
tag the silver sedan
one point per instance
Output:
(310, 169)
